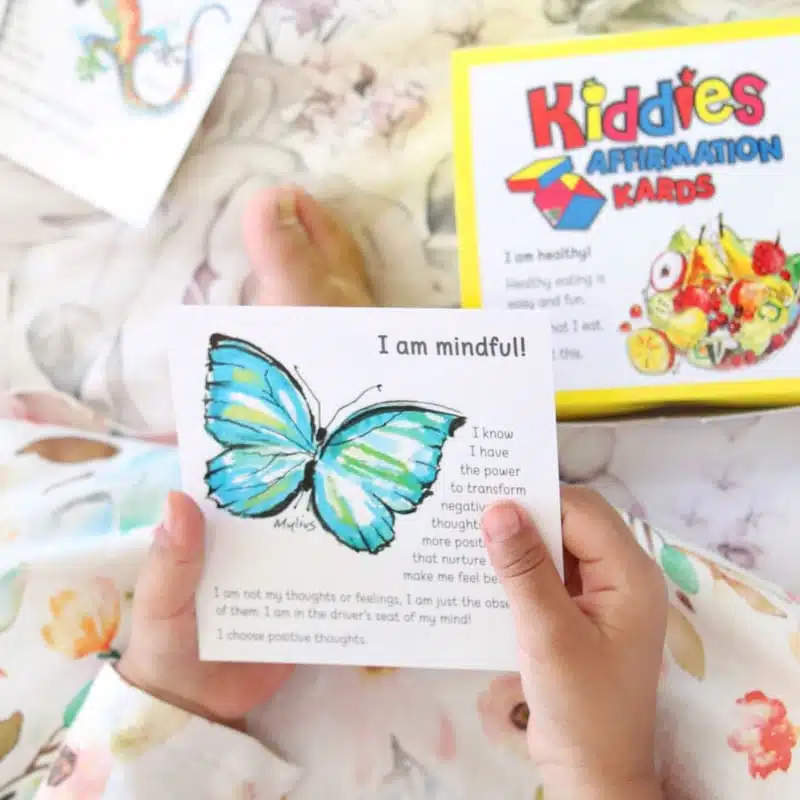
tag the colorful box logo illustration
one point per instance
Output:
(565, 199)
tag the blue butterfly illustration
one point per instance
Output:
(382, 460)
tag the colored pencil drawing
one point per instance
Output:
(716, 301)
(381, 460)
(128, 40)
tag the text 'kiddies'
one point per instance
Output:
(675, 106)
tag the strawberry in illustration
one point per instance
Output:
(769, 258)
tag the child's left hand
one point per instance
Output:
(162, 657)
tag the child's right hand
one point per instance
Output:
(590, 653)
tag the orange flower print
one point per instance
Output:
(85, 620)
(769, 737)
(504, 713)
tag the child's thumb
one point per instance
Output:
(172, 571)
(538, 599)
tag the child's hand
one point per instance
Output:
(162, 657)
(590, 653)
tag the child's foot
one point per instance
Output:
(300, 254)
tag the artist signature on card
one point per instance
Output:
(298, 523)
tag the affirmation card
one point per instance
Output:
(638, 188)
(343, 458)
(102, 97)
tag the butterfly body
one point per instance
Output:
(382, 460)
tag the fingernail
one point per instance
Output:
(165, 533)
(501, 522)
(287, 208)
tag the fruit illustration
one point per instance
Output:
(661, 309)
(780, 290)
(686, 329)
(793, 270)
(651, 352)
(740, 262)
(749, 296)
(668, 271)
(682, 243)
(705, 264)
(769, 258)
(755, 336)
(694, 297)
(774, 314)
(715, 302)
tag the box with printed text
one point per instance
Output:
(640, 189)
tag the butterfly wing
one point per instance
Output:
(257, 411)
(380, 462)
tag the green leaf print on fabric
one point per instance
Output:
(679, 569)
(12, 589)
(685, 644)
(76, 704)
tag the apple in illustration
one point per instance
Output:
(668, 271)
(769, 258)
(686, 329)
(749, 296)
(694, 297)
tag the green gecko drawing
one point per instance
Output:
(128, 43)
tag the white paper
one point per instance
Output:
(283, 588)
(69, 113)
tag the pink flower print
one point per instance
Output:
(317, 114)
(504, 714)
(199, 288)
(396, 108)
(78, 775)
(308, 15)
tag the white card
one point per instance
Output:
(109, 126)
(468, 418)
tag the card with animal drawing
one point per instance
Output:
(103, 97)
(342, 459)
(639, 189)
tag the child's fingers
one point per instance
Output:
(612, 564)
(539, 601)
(282, 255)
(172, 571)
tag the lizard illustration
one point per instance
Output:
(128, 43)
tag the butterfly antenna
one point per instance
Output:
(310, 392)
(377, 387)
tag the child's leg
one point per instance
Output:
(300, 254)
